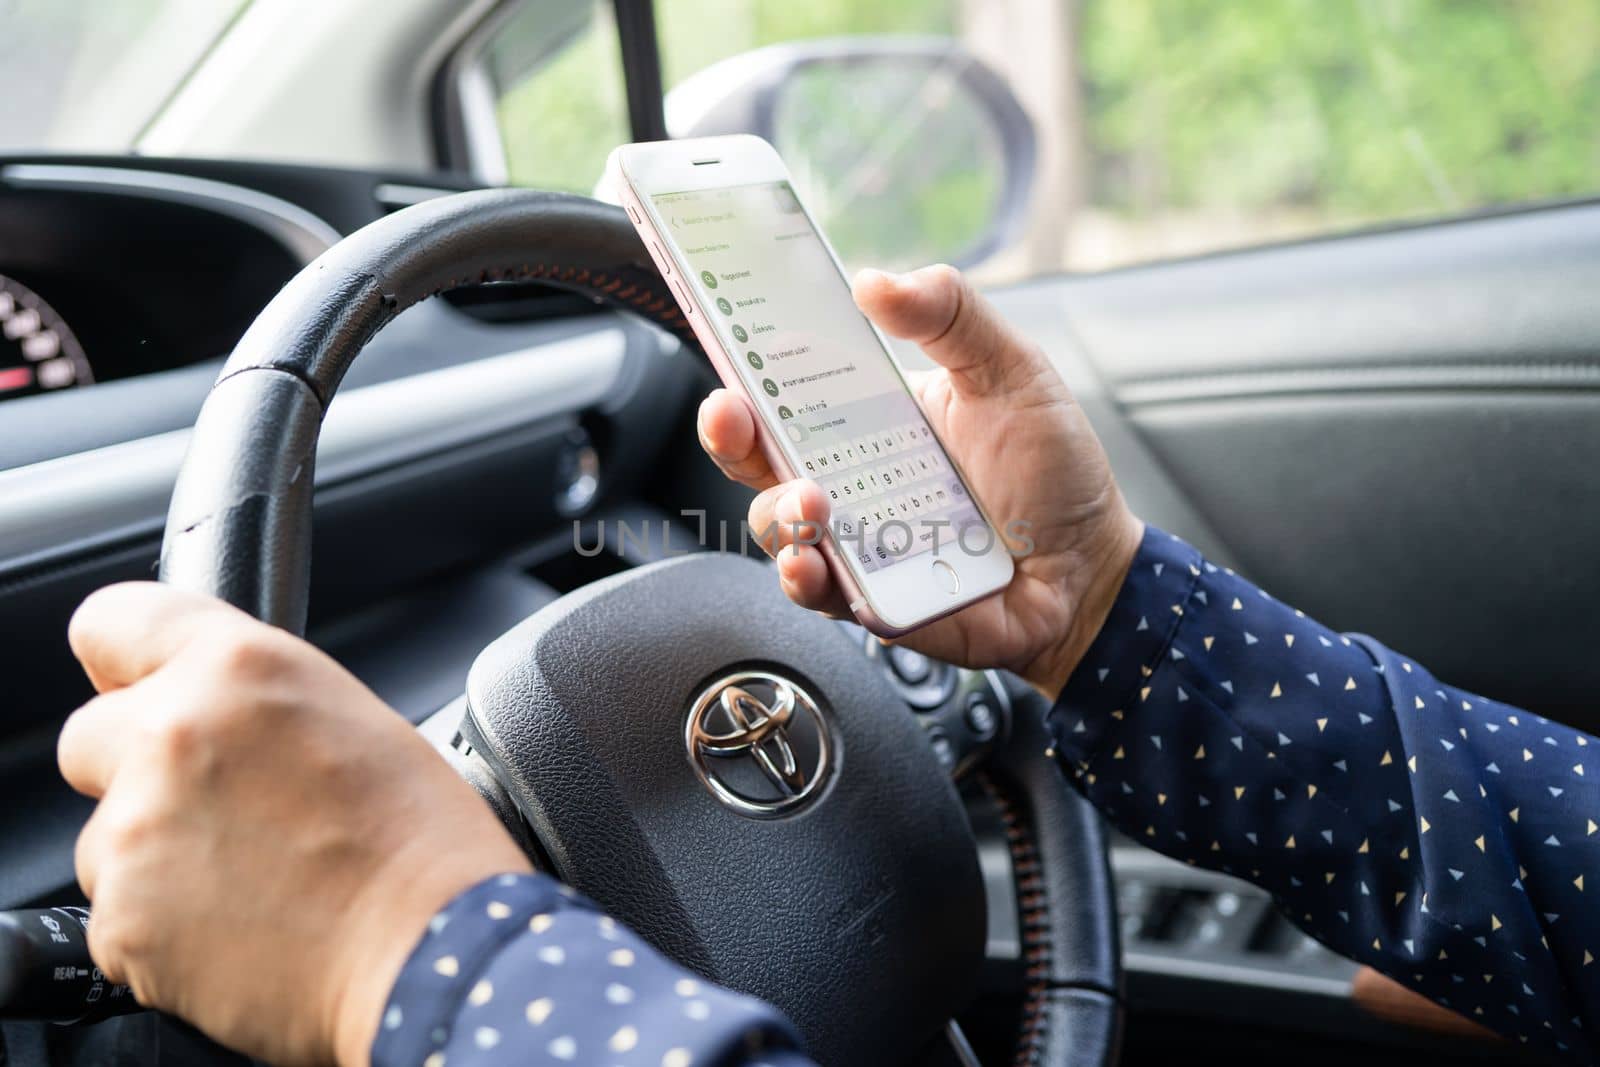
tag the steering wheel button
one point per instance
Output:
(981, 717)
(911, 666)
(944, 749)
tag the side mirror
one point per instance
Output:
(907, 149)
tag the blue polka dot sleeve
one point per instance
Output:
(1442, 838)
(521, 970)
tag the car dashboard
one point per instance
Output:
(479, 440)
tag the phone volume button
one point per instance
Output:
(662, 261)
(683, 297)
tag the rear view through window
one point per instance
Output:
(1164, 127)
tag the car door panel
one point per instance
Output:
(1396, 432)
(1453, 527)
(1510, 291)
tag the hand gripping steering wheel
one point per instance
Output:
(857, 908)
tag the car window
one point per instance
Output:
(89, 75)
(1175, 127)
(555, 68)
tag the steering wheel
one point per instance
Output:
(735, 777)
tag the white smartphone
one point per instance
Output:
(767, 297)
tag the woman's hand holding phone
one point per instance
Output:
(1025, 447)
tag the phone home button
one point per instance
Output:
(946, 578)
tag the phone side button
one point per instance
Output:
(662, 261)
(683, 297)
(945, 577)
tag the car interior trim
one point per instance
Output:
(641, 59)
(60, 507)
(960, 1047)
(1501, 289)
(466, 119)
(400, 194)
(1209, 970)
(1495, 377)
(301, 233)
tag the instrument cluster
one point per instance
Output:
(104, 276)
(38, 350)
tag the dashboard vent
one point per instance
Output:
(392, 196)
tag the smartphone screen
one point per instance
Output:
(811, 360)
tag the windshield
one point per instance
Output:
(88, 75)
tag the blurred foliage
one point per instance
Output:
(696, 33)
(1231, 116)
(1350, 109)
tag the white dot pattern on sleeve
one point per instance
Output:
(1433, 834)
(520, 970)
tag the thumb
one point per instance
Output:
(126, 631)
(940, 310)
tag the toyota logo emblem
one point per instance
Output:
(759, 742)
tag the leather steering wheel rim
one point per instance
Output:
(1072, 1009)
(239, 526)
